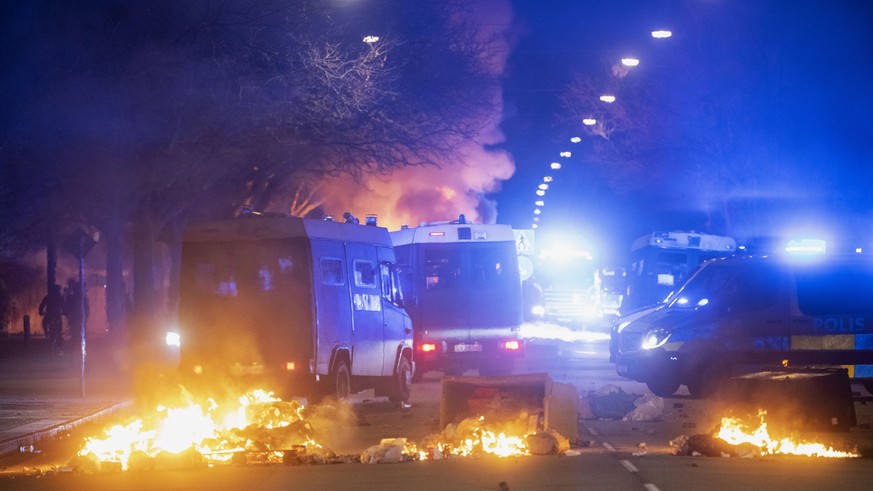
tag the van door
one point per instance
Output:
(756, 316)
(332, 304)
(397, 329)
(366, 301)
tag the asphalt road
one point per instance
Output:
(620, 455)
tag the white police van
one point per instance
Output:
(742, 314)
(467, 307)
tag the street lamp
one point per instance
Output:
(661, 34)
(371, 39)
(630, 62)
(547, 179)
(566, 155)
(543, 186)
(556, 165)
(541, 192)
(575, 139)
(589, 121)
(608, 98)
(540, 202)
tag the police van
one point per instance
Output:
(314, 307)
(742, 314)
(467, 310)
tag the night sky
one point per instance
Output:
(781, 88)
(758, 112)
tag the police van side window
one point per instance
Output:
(332, 271)
(753, 289)
(365, 273)
(387, 287)
(835, 289)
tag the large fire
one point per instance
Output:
(263, 428)
(258, 422)
(736, 432)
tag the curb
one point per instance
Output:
(11, 445)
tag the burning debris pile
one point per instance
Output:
(734, 437)
(260, 425)
(470, 438)
(261, 428)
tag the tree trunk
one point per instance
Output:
(51, 254)
(175, 246)
(145, 293)
(116, 290)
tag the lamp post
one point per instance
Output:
(78, 243)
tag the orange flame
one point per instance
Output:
(735, 432)
(212, 431)
(474, 436)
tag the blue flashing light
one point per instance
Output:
(806, 247)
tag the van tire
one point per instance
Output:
(418, 375)
(708, 379)
(401, 382)
(664, 387)
(340, 380)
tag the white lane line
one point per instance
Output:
(592, 431)
(651, 487)
(607, 446)
(629, 466)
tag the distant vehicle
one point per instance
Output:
(468, 304)
(313, 306)
(660, 261)
(742, 314)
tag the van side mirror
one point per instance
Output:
(406, 286)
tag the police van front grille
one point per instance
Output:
(629, 341)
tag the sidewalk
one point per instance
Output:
(41, 396)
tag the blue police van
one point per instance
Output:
(312, 307)
(742, 314)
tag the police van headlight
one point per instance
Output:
(655, 339)
(172, 338)
(538, 310)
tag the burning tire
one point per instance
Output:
(401, 384)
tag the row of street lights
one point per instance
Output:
(628, 62)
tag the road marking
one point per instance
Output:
(592, 431)
(629, 466)
(651, 487)
(607, 446)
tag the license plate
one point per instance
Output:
(238, 369)
(466, 348)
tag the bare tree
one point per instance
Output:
(163, 112)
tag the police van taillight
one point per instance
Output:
(512, 345)
(427, 347)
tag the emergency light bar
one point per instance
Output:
(806, 246)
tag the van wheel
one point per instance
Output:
(340, 381)
(707, 383)
(418, 375)
(401, 383)
(664, 387)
